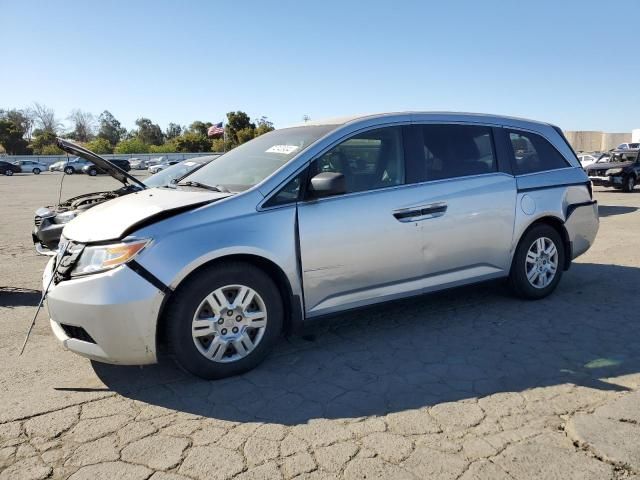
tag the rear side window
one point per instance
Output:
(457, 151)
(532, 153)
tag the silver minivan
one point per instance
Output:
(312, 220)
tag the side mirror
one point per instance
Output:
(327, 184)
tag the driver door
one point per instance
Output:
(359, 248)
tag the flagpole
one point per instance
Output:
(224, 138)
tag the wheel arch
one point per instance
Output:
(291, 303)
(558, 225)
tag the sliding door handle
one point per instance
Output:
(422, 212)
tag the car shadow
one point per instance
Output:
(462, 343)
(611, 210)
(19, 297)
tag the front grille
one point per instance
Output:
(37, 220)
(597, 173)
(78, 333)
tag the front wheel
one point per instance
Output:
(93, 172)
(8, 172)
(69, 170)
(538, 263)
(629, 183)
(36, 171)
(224, 320)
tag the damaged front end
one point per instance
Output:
(49, 221)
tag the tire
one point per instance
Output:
(8, 172)
(522, 264)
(190, 299)
(69, 170)
(629, 183)
(36, 171)
(93, 172)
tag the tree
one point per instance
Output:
(199, 127)
(132, 145)
(44, 143)
(22, 119)
(193, 142)
(99, 145)
(45, 118)
(167, 147)
(149, 132)
(263, 125)
(173, 130)
(13, 127)
(109, 128)
(237, 121)
(83, 125)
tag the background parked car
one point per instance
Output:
(9, 169)
(161, 166)
(628, 146)
(138, 163)
(71, 166)
(621, 171)
(31, 166)
(93, 170)
(587, 159)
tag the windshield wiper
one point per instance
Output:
(200, 185)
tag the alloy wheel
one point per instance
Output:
(229, 323)
(541, 262)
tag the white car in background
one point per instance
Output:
(587, 159)
(628, 146)
(138, 164)
(161, 166)
(31, 166)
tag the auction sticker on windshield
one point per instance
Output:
(284, 149)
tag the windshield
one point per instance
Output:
(250, 163)
(174, 172)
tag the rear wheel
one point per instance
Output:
(69, 170)
(224, 320)
(538, 263)
(93, 172)
(36, 171)
(8, 172)
(629, 183)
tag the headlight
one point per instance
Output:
(64, 217)
(105, 257)
(612, 171)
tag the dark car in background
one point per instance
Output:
(622, 171)
(93, 170)
(49, 221)
(9, 169)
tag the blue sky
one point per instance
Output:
(574, 63)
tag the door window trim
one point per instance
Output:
(305, 168)
(502, 164)
(507, 129)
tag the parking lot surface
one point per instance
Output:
(470, 383)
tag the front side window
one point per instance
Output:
(368, 161)
(532, 153)
(458, 150)
(250, 163)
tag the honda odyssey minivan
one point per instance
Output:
(312, 220)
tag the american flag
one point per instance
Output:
(215, 130)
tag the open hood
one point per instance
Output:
(116, 172)
(116, 218)
(607, 165)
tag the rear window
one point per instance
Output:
(457, 151)
(532, 153)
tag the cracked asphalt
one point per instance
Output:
(466, 384)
